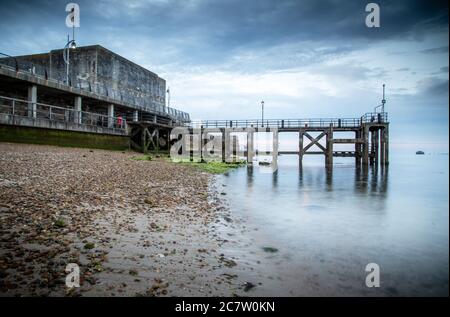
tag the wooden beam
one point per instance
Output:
(315, 141)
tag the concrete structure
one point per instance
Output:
(107, 94)
(105, 91)
(370, 142)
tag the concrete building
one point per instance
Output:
(103, 91)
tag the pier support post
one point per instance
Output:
(382, 148)
(357, 148)
(250, 147)
(222, 131)
(110, 116)
(329, 154)
(228, 146)
(300, 147)
(376, 140)
(372, 147)
(157, 140)
(143, 140)
(275, 149)
(365, 156)
(386, 145)
(32, 100)
(77, 106)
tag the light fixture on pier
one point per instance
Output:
(262, 113)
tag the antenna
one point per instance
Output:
(383, 101)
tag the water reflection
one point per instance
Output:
(366, 180)
(331, 223)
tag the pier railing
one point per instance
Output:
(144, 104)
(13, 107)
(295, 123)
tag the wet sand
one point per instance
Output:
(135, 228)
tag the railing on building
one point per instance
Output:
(23, 108)
(144, 104)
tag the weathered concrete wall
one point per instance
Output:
(8, 119)
(101, 71)
(16, 134)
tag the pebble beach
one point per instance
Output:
(134, 227)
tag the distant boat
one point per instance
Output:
(420, 153)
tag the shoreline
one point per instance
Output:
(135, 228)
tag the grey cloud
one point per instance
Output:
(208, 30)
(434, 87)
(436, 50)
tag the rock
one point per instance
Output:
(133, 272)
(89, 245)
(248, 286)
(270, 249)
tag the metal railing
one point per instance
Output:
(149, 103)
(23, 108)
(294, 123)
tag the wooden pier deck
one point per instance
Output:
(370, 141)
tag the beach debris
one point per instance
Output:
(270, 249)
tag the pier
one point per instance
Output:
(93, 107)
(370, 139)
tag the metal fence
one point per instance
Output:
(144, 104)
(294, 123)
(23, 108)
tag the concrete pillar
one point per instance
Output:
(329, 155)
(110, 116)
(32, 100)
(135, 115)
(372, 147)
(157, 140)
(358, 147)
(300, 146)
(228, 146)
(250, 147)
(222, 140)
(386, 145)
(365, 156)
(376, 147)
(77, 113)
(275, 149)
(382, 149)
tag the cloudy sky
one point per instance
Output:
(304, 58)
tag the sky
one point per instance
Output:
(304, 58)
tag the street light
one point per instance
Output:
(168, 97)
(71, 44)
(262, 113)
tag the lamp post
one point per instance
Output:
(168, 98)
(66, 55)
(262, 113)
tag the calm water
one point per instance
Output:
(328, 227)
